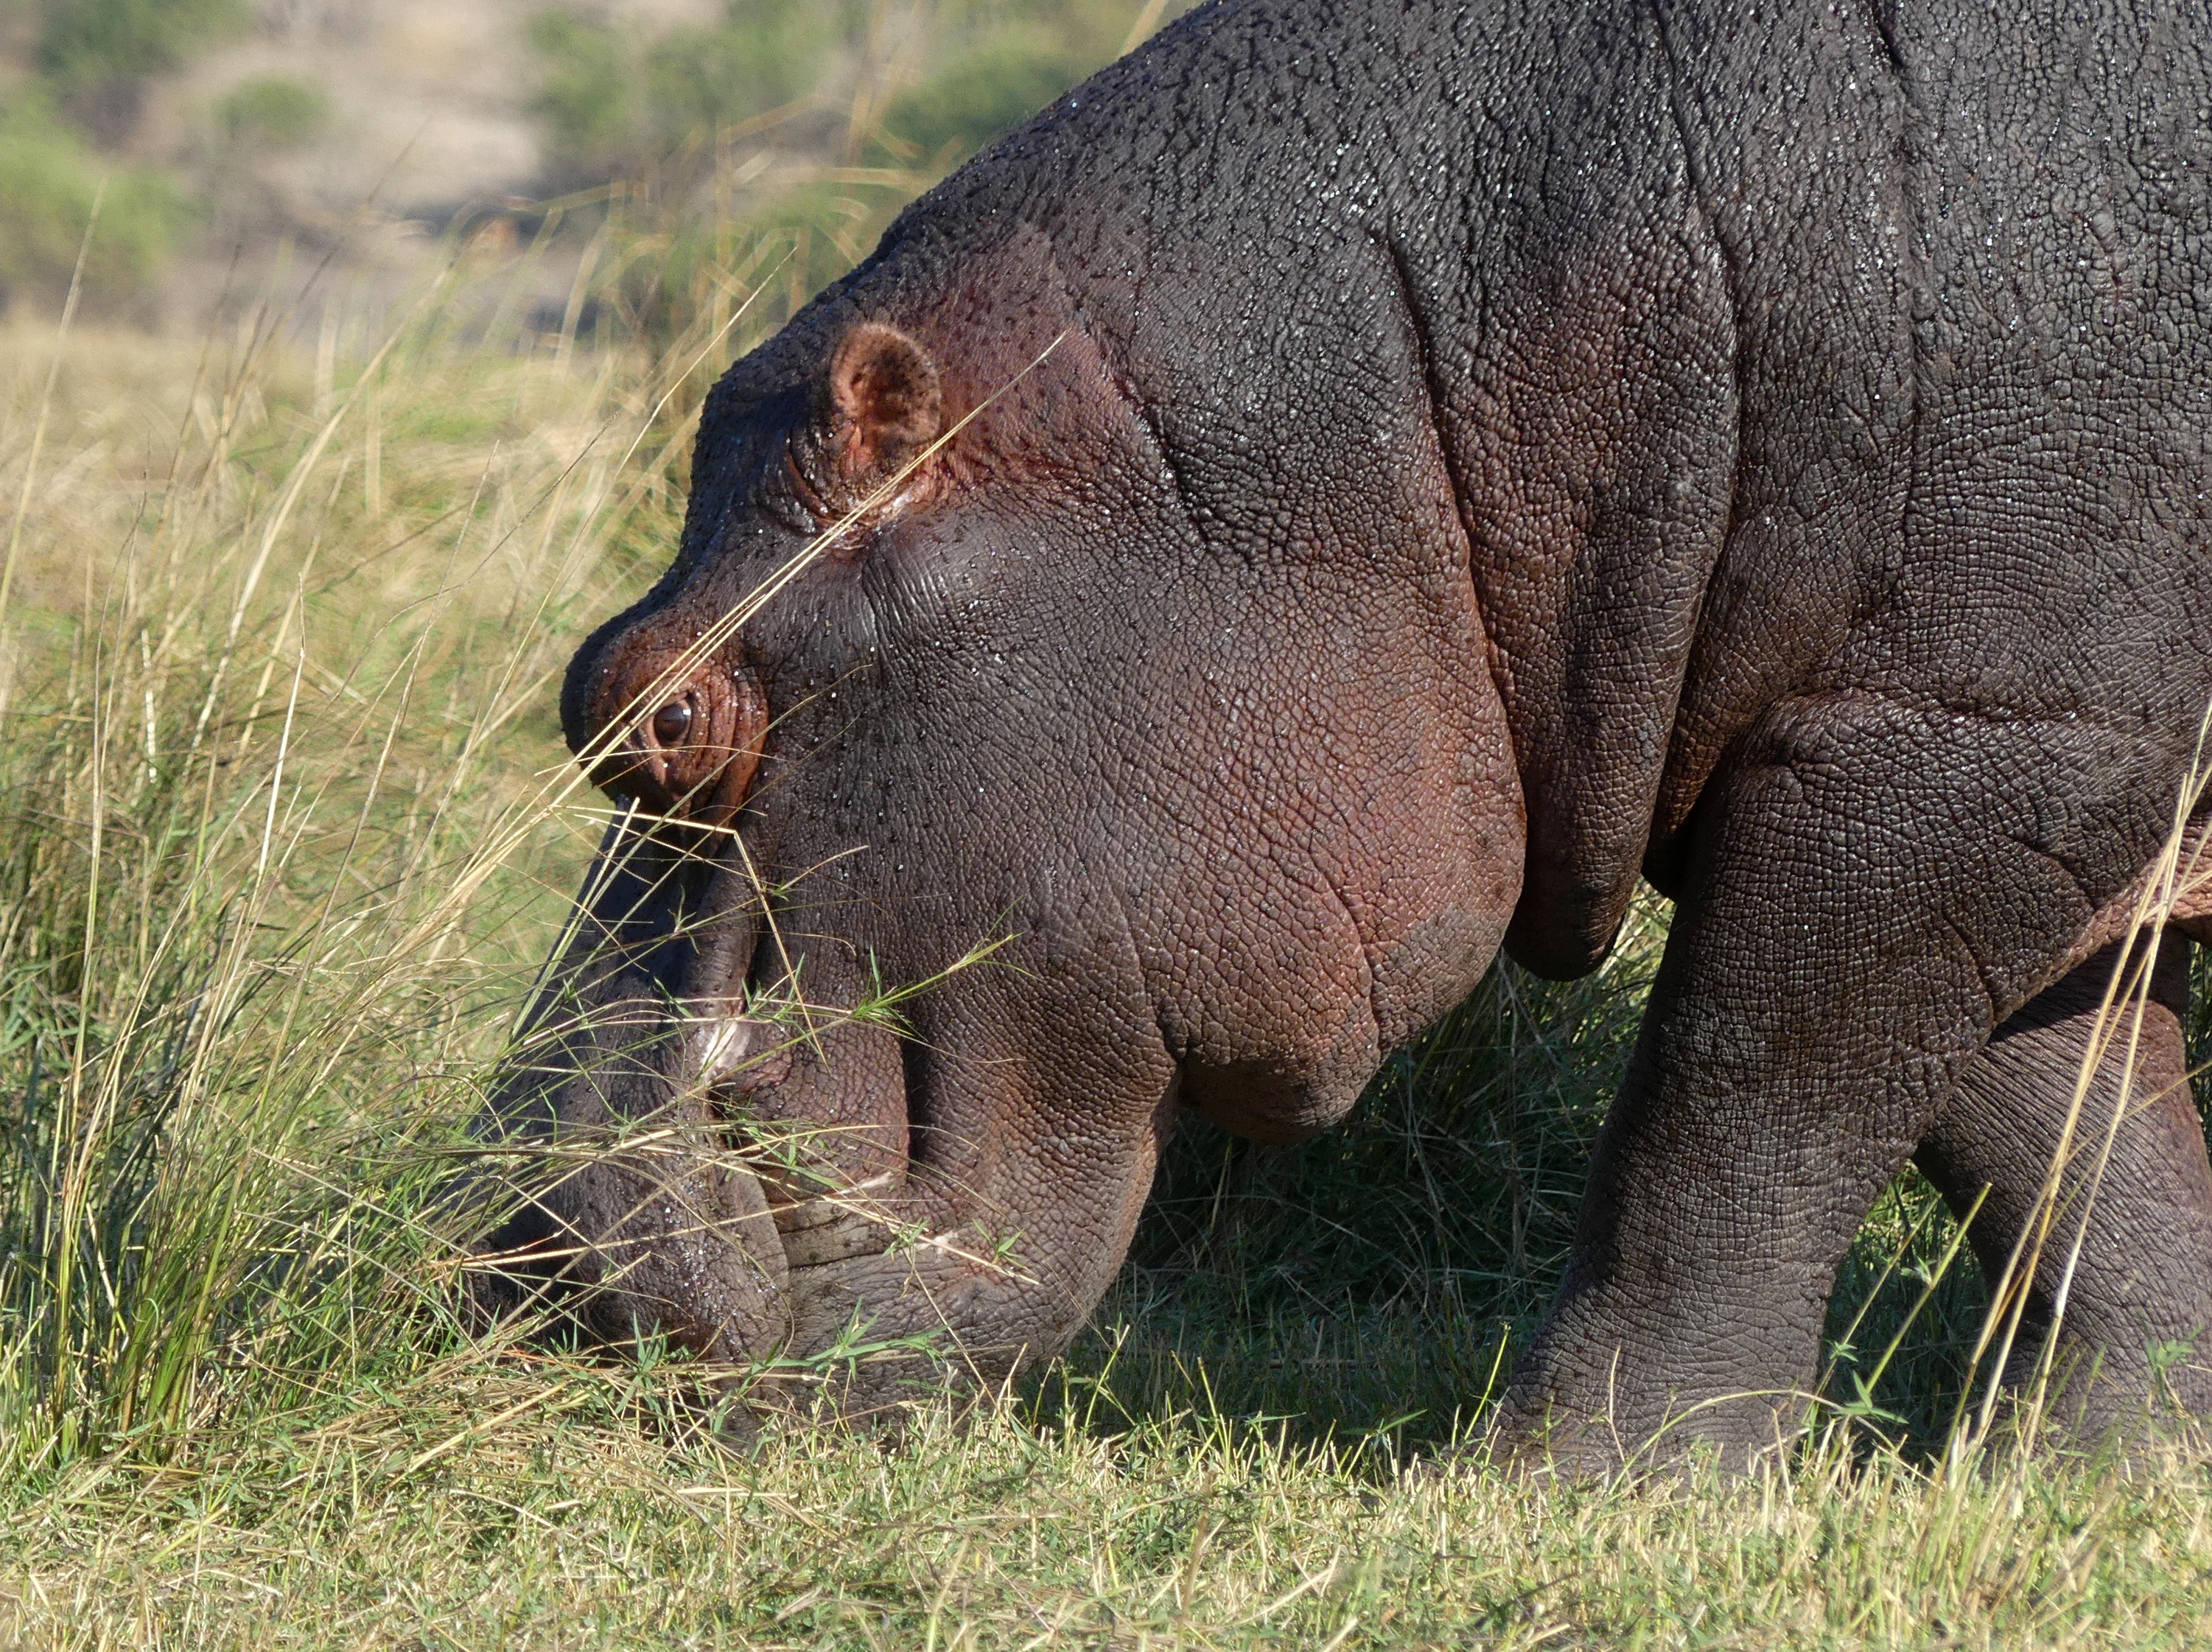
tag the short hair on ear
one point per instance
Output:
(884, 401)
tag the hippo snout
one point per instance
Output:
(629, 1202)
(645, 1239)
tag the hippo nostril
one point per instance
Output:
(671, 722)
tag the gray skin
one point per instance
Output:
(1422, 467)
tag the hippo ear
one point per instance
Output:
(884, 406)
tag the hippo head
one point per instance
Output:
(1034, 735)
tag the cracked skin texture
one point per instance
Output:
(1423, 466)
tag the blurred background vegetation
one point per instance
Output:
(638, 159)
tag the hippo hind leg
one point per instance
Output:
(2136, 1329)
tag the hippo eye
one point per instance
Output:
(671, 721)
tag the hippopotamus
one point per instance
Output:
(1352, 488)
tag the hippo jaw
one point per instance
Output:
(712, 1121)
(726, 1169)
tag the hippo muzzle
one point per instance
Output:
(686, 1115)
(640, 1208)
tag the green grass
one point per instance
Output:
(434, 1515)
(286, 827)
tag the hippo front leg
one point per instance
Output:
(1860, 904)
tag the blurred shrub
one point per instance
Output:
(272, 113)
(612, 109)
(89, 43)
(769, 52)
(48, 181)
(588, 101)
(994, 64)
(983, 91)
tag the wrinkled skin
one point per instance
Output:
(1405, 471)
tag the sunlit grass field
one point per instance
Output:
(286, 829)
